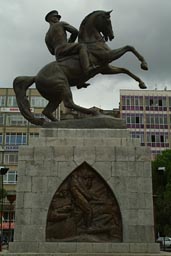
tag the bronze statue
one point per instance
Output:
(54, 80)
(58, 45)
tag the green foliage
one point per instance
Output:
(162, 192)
(3, 193)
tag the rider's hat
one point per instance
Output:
(52, 13)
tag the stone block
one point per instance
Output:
(38, 217)
(23, 216)
(63, 153)
(143, 154)
(35, 168)
(120, 247)
(65, 168)
(138, 247)
(84, 247)
(153, 248)
(21, 169)
(19, 200)
(39, 184)
(147, 170)
(105, 154)
(104, 169)
(119, 184)
(145, 217)
(119, 169)
(25, 153)
(125, 153)
(24, 183)
(42, 153)
(132, 186)
(32, 233)
(67, 247)
(144, 185)
(24, 247)
(37, 200)
(84, 154)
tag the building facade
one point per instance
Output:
(15, 130)
(148, 117)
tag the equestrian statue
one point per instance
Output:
(75, 64)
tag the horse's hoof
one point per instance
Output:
(144, 66)
(142, 85)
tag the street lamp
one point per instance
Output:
(3, 171)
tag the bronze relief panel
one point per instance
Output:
(84, 209)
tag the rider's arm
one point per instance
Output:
(72, 30)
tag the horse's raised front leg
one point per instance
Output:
(112, 70)
(117, 53)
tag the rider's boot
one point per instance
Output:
(82, 85)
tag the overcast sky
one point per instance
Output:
(145, 24)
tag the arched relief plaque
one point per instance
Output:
(84, 209)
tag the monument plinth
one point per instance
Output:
(84, 191)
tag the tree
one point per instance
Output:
(161, 176)
(3, 193)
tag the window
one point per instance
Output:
(2, 101)
(136, 101)
(10, 177)
(37, 101)
(157, 139)
(16, 120)
(134, 118)
(153, 138)
(137, 120)
(169, 102)
(151, 102)
(11, 101)
(161, 138)
(160, 102)
(128, 101)
(9, 216)
(1, 138)
(11, 158)
(139, 135)
(33, 135)
(1, 157)
(156, 121)
(2, 118)
(15, 138)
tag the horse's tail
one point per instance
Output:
(20, 85)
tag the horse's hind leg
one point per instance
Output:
(50, 108)
(69, 103)
(117, 70)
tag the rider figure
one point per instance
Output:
(58, 45)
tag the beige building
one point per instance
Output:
(15, 131)
(148, 117)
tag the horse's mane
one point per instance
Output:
(83, 23)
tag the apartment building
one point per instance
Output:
(15, 130)
(148, 117)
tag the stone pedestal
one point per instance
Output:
(119, 160)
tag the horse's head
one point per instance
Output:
(95, 25)
(104, 25)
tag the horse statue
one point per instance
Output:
(54, 80)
